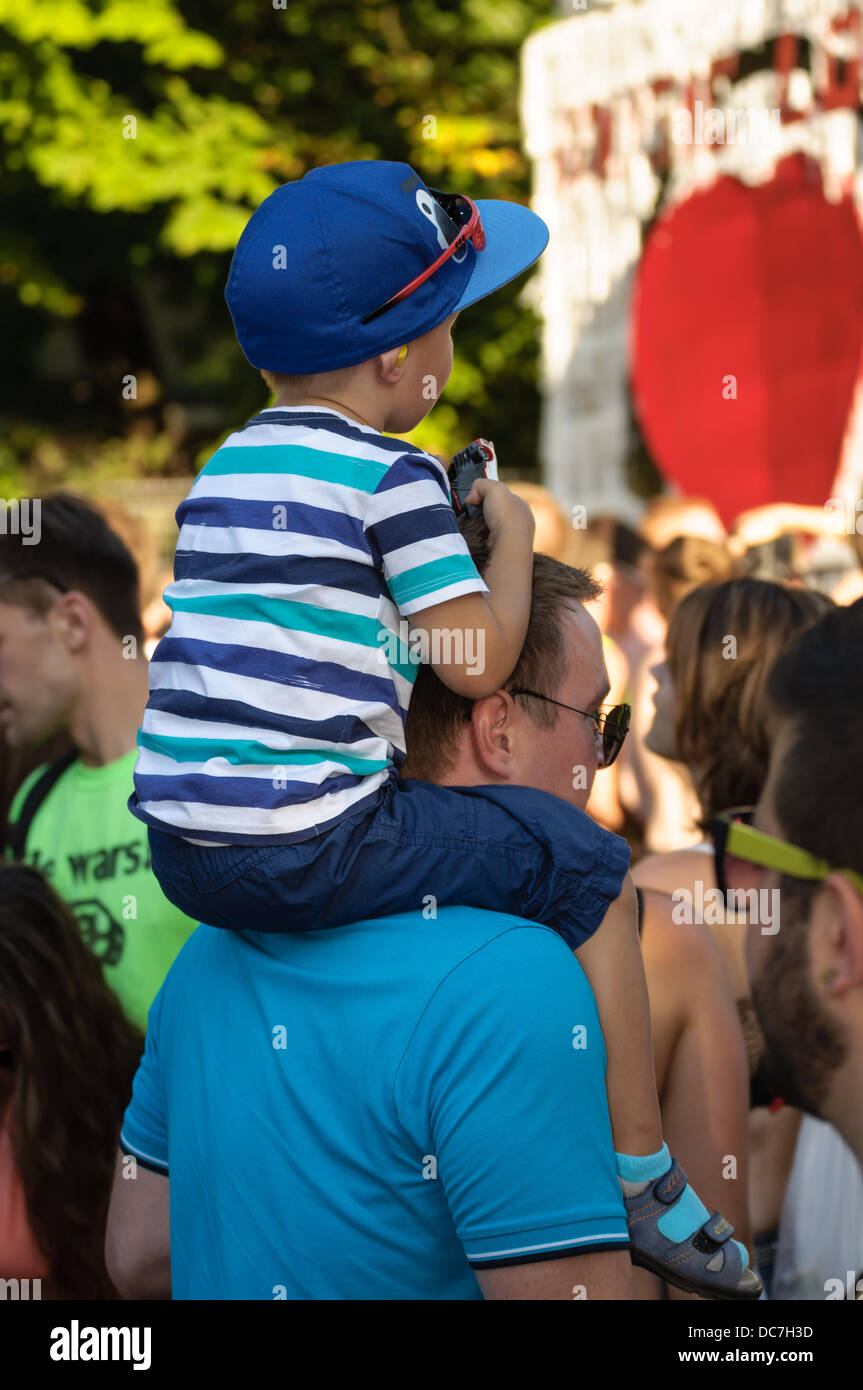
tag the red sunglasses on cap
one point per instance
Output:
(465, 225)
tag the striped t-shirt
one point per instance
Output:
(278, 695)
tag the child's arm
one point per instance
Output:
(475, 641)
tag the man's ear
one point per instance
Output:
(491, 731)
(841, 933)
(73, 618)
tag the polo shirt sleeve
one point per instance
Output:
(504, 1079)
(414, 536)
(145, 1124)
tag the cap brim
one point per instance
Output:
(514, 238)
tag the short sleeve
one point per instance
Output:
(504, 1077)
(145, 1124)
(412, 526)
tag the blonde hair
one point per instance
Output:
(313, 384)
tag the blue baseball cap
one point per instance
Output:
(323, 252)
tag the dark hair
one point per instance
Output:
(818, 684)
(77, 549)
(722, 715)
(436, 714)
(74, 1055)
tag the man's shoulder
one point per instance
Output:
(23, 791)
(494, 945)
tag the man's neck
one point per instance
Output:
(845, 1111)
(108, 713)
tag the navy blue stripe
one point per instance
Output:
(365, 807)
(407, 470)
(187, 704)
(256, 793)
(255, 515)
(333, 424)
(406, 528)
(316, 676)
(349, 575)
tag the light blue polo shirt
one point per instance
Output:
(374, 1111)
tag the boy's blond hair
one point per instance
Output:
(315, 384)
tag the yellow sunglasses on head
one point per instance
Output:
(737, 845)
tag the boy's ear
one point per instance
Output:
(392, 363)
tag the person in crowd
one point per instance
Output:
(668, 516)
(688, 549)
(71, 665)
(711, 713)
(699, 1057)
(804, 839)
(389, 1083)
(67, 1058)
(617, 558)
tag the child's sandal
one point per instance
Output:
(708, 1262)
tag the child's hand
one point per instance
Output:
(501, 509)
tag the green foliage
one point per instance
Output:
(136, 138)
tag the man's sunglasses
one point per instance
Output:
(742, 853)
(612, 722)
(461, 223)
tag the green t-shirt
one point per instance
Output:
(96, 855)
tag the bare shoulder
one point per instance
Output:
(689, 946)
(677, 869)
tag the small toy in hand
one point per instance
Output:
(477, 460)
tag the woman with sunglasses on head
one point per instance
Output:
(67, 1059)
(712, 714)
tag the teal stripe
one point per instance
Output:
(362, 474)
(437, 574)
(403, 664)
(285, 613)
(200, 750)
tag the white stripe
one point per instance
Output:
(285, 820)
(404, 499)
(152, 764)
(164, 725)
(139, 1153)
(315, 437)
(407, 557)
(246, 540)
(301, 702)
(283, 489)
(282, 641)
(552, 1245)
(316, 595)
(464, 586)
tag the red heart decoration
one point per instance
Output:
(763, 284)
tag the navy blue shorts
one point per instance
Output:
(504, 848)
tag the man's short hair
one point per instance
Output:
(77, 549)
(817, 684)
(436, 714)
